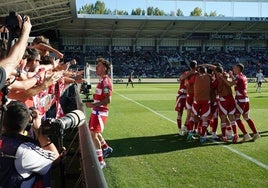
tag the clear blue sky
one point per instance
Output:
(241, 9)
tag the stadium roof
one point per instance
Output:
(44, 14)
(61, 15)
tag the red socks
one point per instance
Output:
(241, 126)
(252, 126)
(179, 123)
(104, 145)
(99, 155)
(223, 129)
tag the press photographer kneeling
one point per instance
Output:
(23, 159)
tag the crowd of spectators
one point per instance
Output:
(169, 64)
(32, 80)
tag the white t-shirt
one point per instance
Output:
(32, 159)
(259, 77)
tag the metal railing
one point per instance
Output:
(92, 174)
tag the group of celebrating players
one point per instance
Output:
(206, 92)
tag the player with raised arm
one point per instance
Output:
(226, 103)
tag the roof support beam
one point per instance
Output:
(168, 28)
(193, 31)
(141, 27)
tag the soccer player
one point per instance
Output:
(130, 80)
(260, 78)
(226, 103)
(99, 115)
(181, 105)
(201, 104)
(213, 117)
(189, 78)
(242, 103)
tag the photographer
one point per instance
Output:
(8, 64)
(22, 161)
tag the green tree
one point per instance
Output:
(179, 12)
(137, 11)
(133, 12)
(196, 12)
(150, 11)
(100, 7)
(211, 14)
(158, 12)
(143, 12)
(121, 12)
(97, 8)
(87, 9)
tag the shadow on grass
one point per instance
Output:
(153, 145)
(264, 133)
(260, 96)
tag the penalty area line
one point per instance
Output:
(243, 155)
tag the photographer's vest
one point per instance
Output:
(9, 177)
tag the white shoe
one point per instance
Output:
(229, 134)
(246, 138)
(181, 132)
(184, 128)
(256, 136)
(214, 135)
(102, 164)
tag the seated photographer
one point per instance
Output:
(8, 65)
(22, 160)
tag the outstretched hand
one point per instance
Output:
(24, 24)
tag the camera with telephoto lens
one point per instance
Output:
(53, 126)
(86, 90)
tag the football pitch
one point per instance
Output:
(149, 153)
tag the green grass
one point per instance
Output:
(149, 153)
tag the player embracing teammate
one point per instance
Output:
(200, 84)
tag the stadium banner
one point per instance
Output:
(238, 36)
(265, 19)
(200, 36)
(73, 48)
(121, 48)
(235, 48)
(168, 48)
(191, 48)
(213, 48)
(145, 48)
(97, 48)
(258, 49)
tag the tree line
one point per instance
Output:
(99, 8)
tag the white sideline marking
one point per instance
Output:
(227, 147)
